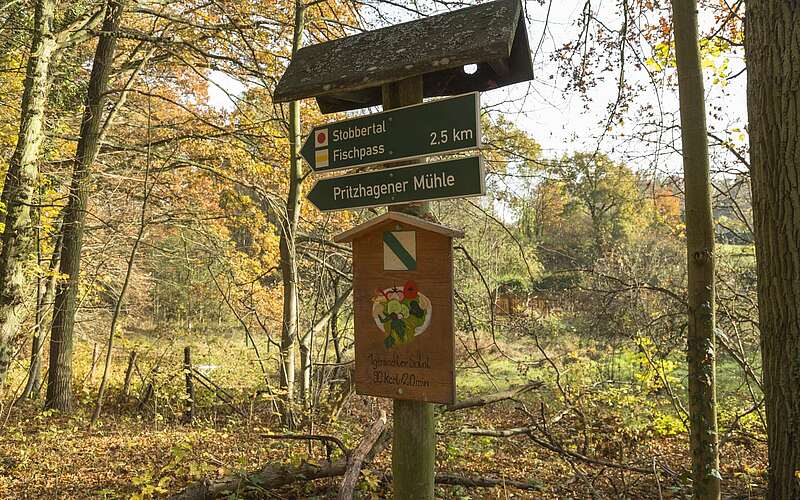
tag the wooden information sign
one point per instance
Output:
(403, 303)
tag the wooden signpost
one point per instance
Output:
(402, 262)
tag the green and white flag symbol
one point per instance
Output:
(399, 251)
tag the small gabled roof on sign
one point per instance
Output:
(350, 235)
(347, 73)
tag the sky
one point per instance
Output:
(565, 121)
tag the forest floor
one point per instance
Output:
(143, 453)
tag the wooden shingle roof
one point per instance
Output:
(347, 73)
(410, 220)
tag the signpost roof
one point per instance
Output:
(347, 73)
(417, 222)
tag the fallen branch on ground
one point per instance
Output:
(495, 397)
(271, 477)
(268, 478)
(483, 482)
(356, 459)
(311, 437)
(516, 431)
(277, 476)
(528, 431)
(475, 482)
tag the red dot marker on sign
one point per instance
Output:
(321, 137)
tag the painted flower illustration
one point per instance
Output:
(401, 313)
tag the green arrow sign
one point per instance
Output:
(436, 127)
(423, 182)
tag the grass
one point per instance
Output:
(136, 453)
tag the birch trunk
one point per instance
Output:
(703, 437)
(287, 246)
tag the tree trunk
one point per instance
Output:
(59, 381)
(307, 339)
(93, 367)
(35, 366)
(118, 305)
(703, 440)
(126, 386)
(287, 244)
(44, 297)
(772, 48)
(305, 367)
(20, 183)
(334, 324)
(105, 53)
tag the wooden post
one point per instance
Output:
(146, 395)
(414, 441)
(129, 373)
(187, 368)
(95, 358)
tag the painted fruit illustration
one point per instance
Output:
(401, 313)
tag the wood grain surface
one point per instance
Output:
(423, 369)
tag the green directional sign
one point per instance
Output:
(423, 182)
(436, 127)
